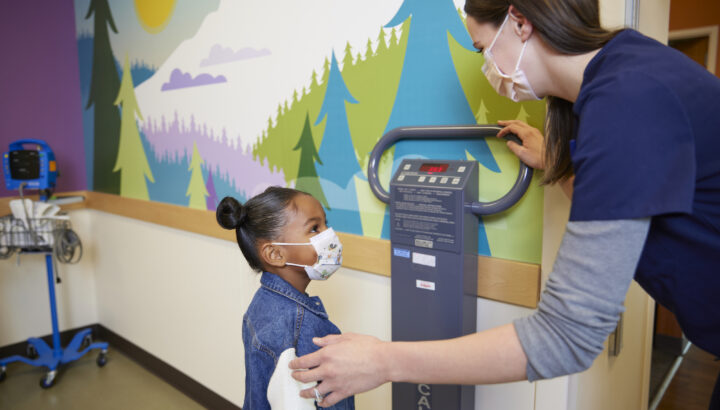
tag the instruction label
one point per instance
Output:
(425, 215)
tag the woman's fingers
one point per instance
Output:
(307, 376)
(532, 150)
(327, 340)
(306, 362)
(331, 399)
(346, 365)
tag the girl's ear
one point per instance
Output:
(272, 255)
(520, 24)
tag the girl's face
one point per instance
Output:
(306, 218)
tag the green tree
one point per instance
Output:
(393, 38)
(196, 189)
(326, 70)
(348, 59)
(307, 179)
(481, 116)
(104, 86)
(131, 162)
(369, 50)
(382, 46)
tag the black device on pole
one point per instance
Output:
(434, 239)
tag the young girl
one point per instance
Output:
(283, 234)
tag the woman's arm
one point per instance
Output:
(352, 363)
(580, 306)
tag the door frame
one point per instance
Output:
(707, 31)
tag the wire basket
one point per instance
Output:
(32, 235)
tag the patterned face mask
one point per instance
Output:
(329, 250)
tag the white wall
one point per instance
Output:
(24, 299)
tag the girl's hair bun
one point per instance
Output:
(230, 213)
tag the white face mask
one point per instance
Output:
(516, 86)
(329, 250)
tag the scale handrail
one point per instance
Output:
(473, 131)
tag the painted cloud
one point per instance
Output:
(178, 79)
(222, 55)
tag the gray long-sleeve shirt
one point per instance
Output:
(583, 297)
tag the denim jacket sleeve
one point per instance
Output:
(260, 363)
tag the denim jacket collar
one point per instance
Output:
(275, 283)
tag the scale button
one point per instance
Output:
(443, 180)
(421, 179)
(455, 181)
(461, 168)
(433, 179)
(407, 166)
(401, 177)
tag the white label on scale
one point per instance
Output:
(423, 259)
(423, 284)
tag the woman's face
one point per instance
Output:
(506, 49)
(306, 218)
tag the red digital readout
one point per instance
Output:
(434, 167)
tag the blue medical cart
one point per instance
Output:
(53, 238)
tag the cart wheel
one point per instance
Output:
(101, 359)
(2, 373)
(31, 352)
(87, 341)
(48, 380)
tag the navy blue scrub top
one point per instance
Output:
(648, 145)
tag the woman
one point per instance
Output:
(634, 127)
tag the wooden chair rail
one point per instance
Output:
(502, 280)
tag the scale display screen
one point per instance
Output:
(433, 167)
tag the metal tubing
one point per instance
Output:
(57, 348)
(473, 131)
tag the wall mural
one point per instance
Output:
(187, 102)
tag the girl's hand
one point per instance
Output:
(532, 152)
(347, 364)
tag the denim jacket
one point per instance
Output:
(280, 317)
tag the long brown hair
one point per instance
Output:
(570, 27)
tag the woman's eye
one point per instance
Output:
(314, 228)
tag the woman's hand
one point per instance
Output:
(532, 152)
(347, 364)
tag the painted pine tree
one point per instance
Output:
(212, 199)
(131, 162)
(307, 179)
(196, 189)
(340, 163)
(430, 92)
(104, 86)
(348, 59)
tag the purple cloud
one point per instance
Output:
(178, 79)
(222, 55)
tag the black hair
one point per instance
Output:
(570, 27)
(261, 218)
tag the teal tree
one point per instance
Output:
(430, 92)
(339, 165)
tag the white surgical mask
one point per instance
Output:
(329, 251)
(516, 86)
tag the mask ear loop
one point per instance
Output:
(499, 31)
(522, 52)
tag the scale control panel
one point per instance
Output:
(432, 173)
(427, 205)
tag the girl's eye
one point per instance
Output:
(314, 228)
